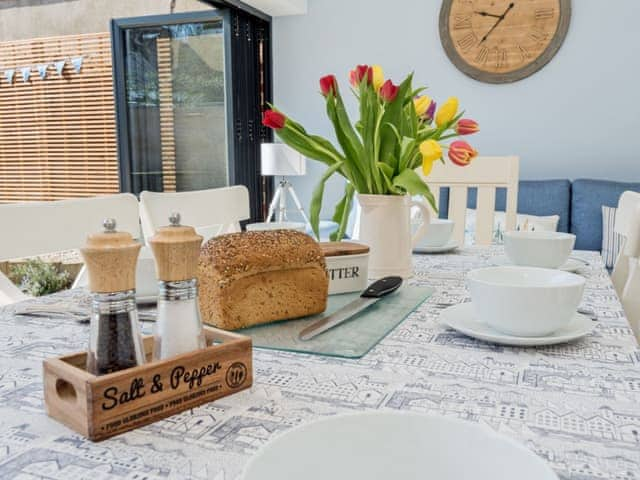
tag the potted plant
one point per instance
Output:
(399, 130)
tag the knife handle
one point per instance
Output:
(382, 287)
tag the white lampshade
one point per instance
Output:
(281, 160)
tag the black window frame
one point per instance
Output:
(244, 29)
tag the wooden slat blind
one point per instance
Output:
(57, 135)
(167, 129)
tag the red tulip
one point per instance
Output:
(273, 119)
(359, 73)
(461, 153)
(328, 84)
(389, 91)
(466, 126)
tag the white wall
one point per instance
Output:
(24, 19)
(577, 117)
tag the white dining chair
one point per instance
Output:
(37, 228)
(211, 212)
(626, 272)
(487, 174)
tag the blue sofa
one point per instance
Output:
(578, 203)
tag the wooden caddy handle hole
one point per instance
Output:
(65, 390)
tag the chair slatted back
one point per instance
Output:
(487, 174)
(211, 212)
(38, 228)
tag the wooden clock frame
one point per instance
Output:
(507, 77)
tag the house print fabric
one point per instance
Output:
(576, 405)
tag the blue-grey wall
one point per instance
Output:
(577, 117)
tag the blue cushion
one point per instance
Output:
(587, 199)
(535, 197)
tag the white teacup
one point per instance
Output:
(438, 233)
(263, 226)
(539, 248)
(525, 301)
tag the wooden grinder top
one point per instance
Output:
(111, 259)
(176, 249)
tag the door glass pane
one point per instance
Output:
(175, 92)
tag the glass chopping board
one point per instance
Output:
(353, 338)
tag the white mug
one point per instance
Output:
(438, 234)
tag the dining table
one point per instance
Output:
(576, 405)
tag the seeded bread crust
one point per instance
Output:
(251, 278)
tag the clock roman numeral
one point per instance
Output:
(460, 22)
(524, 53)
(483, 55)
(501, 58)
(537, 34)
(468, 41)
(544, 13)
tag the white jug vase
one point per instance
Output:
(383, 223)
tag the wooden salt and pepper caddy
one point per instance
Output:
(99, 407)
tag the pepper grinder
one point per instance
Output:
(114, 340)
(178, 327)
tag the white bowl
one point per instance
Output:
(390, 446)
(539, 249)
(525, 301)
(438, 233)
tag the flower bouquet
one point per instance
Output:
(399, 130)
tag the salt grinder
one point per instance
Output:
(178, 328)
(114, 340)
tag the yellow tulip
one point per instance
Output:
(430, 151)
(377, 76)
(427, 166)
(421, 104)
(447, 111)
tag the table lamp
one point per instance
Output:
(278, 159)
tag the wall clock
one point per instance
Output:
(501, 41)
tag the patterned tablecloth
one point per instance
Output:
(576, 405)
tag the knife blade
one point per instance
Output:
(371, 295)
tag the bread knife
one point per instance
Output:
(371, 295)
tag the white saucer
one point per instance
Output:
(572, 265)
(461, 318)
(452, 245)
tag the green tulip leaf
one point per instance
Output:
(416, 92)
(316, 199)
(342, 211)
(387, 174)
(395, 131)
(410, 182)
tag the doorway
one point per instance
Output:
(189, 94)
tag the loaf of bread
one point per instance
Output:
(251, 278)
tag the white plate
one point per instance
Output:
(572, 265)
(452, 245)
(395, 445)
(461, 318)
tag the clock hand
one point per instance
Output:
(511, 5)
(487, 14)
